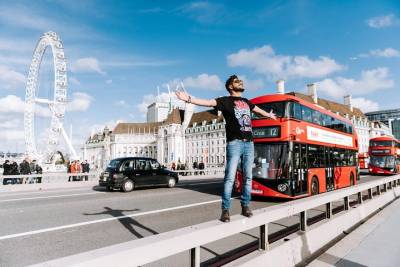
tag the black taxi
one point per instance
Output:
(129, 173)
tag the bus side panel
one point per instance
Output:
(342, 176)
(320, 174)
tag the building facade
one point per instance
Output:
(185, 137)
(389, 117)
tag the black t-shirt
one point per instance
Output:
(237, 114)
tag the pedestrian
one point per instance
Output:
(68, 165)
(39, 170)
(14, 171)
(24, 168)
(237, 113)
(85, 169)
(7, 171)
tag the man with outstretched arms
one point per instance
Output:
(237, 113)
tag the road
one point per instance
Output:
(41, 225)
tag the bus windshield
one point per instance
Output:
(271, 161)
(380, 143)
(383, 161)
(277, 107)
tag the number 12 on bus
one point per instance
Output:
(308, 150)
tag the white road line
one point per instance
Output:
(200, 183)
(58, 196)
(105, 220)
(38, 191)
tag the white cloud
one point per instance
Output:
(74, 81)
(252, 85)
(202, 11)
(388, 52)
(121, 104)
(382, 21)
(10, 79)
(370, 81)
(87, 65)
(12, 135)
(263, 60)
(109, 81)
(80, 102)
(364, 104)
(14, 104)
(163, 97)
(23, 17)
(204, 81)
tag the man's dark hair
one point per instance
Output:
(230, 81)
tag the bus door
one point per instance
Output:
(299, 169)
(329, 169)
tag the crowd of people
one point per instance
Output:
(25, 167)
(75, 167)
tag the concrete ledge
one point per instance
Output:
(300, 246)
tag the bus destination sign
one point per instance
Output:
(267, 132)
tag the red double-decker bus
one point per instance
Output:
(308, 150)
(384, 153)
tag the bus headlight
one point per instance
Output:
(282, 187)
(392, 170)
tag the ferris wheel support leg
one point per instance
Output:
(71, 148)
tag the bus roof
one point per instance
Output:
(384, 138)
(290, 97)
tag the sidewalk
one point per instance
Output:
(374, 244)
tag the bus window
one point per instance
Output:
(316, 117)
(277, 107)
(316, 157)
(306, 114)
(295, 110)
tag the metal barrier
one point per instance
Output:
(146, 250)
(208, 171)
(93, 176)
(50, 177)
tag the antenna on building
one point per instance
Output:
(158, 94)
(170, 102)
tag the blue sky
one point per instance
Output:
(119, 52)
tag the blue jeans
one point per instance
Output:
(238, 151)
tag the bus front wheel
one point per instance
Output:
(314, 186)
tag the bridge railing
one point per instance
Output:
(150, 249)
(53, 177)
(90, 176)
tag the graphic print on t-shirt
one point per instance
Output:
(242, 114)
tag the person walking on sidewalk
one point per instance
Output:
(237, 113)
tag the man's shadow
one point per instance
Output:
(127, 222)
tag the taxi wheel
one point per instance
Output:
(314, 186)
(128, 185)
(171, 182)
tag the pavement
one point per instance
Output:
(373, 244)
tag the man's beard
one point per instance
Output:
(241, 90)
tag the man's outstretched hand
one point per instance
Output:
(181, 95)
(271, 114)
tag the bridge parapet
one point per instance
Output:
(296, 248)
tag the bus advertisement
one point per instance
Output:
(384, 153)
(308, 150)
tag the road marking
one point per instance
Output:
(200, 183)
(41, 191)
(33, 198)
(106, 220)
